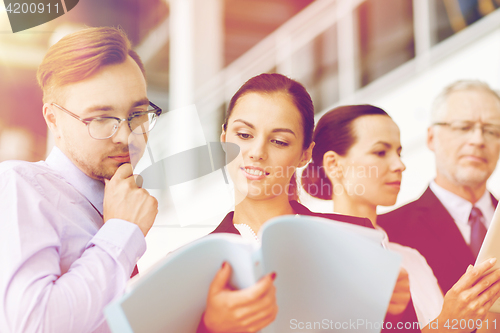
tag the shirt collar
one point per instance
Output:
(485, 204)
(91, 188)
(458, 207)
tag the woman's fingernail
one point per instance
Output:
(223, 264)
(273, 276)
(493, 260)
(469, 268)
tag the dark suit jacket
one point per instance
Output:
(228, 227)
(426, 225)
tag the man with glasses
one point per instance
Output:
(448, 222)
(74, 225)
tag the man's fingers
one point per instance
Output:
(474, 274)
(486, 265)
(124, 171)
(403, 282)
(403, 274)
(400, 298)
(489, 300)
(221, 279)
(401, 294)
(138, 180)
(486, 282)
(402, 286)
(490, 296)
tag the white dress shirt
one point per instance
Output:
(59, 265)
(460, 209)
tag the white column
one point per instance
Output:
(422, 26)
(181, 69)
(196, 47)
(209, 39)
(348, 52)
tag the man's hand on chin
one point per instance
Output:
(125, 200)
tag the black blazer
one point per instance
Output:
(227, 226)
(426, 225)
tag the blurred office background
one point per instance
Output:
(396, 54)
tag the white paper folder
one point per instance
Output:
(327, 272)
(491, 249)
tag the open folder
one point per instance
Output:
(329, 275)
(491, 249)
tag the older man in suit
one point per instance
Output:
(448, 222)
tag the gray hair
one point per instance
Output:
(439, 102)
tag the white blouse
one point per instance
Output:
(425, 292)
(246, 232)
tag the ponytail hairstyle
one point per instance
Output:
(277, 83)
(334, 132)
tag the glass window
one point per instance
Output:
(451, 16)
(316, 66)
(386, 39)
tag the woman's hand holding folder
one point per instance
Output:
(245, 310)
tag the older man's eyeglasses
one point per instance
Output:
(101, 128)
(489, 131)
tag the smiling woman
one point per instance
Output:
(271, 119)
(287, 110)
(273, 151)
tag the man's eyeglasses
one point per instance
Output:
(101, 128)
(490, 132)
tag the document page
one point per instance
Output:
(328, 276)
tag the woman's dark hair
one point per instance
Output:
(334, 132)
(277, 83)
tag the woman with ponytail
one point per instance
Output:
(356, 163)
(271, 119)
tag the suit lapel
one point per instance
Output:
(442, 226)
(494, 201)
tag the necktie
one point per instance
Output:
(477, 230)
(135, 272)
